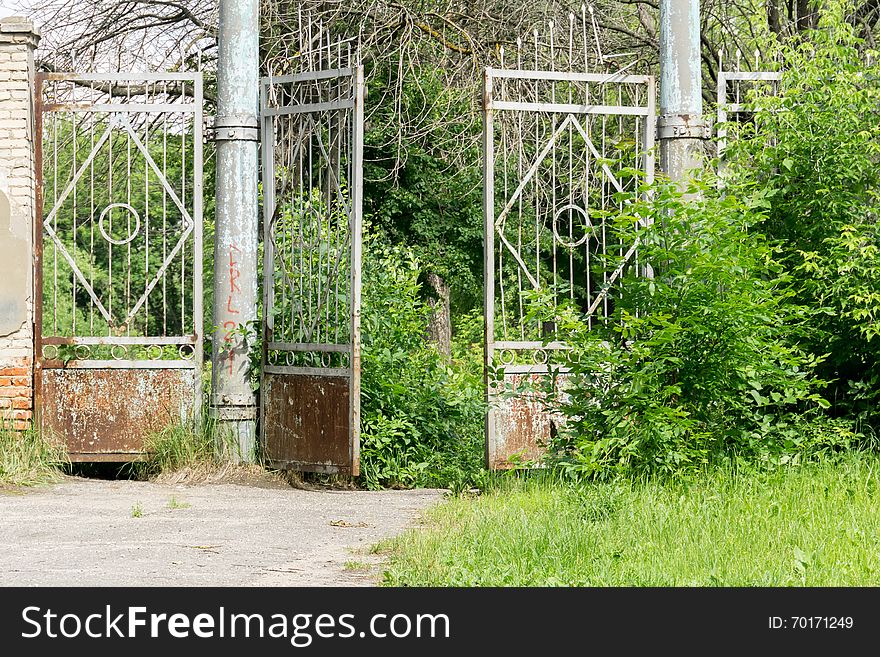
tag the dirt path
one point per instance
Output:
(84, 532)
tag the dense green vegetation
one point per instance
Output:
(422, 413)
(756, 338)
(721, 428)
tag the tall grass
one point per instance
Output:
(27, 459)
(178, 446)
(814, 525)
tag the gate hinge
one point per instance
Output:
(236, 128)
(236, 133)
(233, 412)
(682, 126)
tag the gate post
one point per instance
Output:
(680, 128)
(233, 402)
(18, 39)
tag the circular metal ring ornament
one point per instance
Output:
(131, 236)
(186, 351)
(506, 356)
(540, 357)
(82, 351)
(50, 351)
(154, 352)
(326, 359)
(116, 354)
(289, 358)
(587, 223)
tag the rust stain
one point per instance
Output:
(104, 413)
(523, 425)
(306, 422)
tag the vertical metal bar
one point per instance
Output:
(721, 101)
(110, 230)
(267, 148)
(570, 164)
(147, 218)
(165, 218)
(520, 157)
(92, 203)
(489, 260)
(301, 275)
(650, 131)
(555, 279)
(357, 220)
(38, 249)
(198, 322)
(505, 178)
(128, 215)
(537, 119)
(183, 203)
(307, 186)
(604, 205)
(73, 169)
(55, 219)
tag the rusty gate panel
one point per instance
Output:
(118, 266)
(523, 425)
(104, 415)
(312, 155)
(557, 141)
(307, 423)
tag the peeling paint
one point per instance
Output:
(105, 412)
(306, 422)
(680, 73)
(523, 426)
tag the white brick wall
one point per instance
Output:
(17, 182)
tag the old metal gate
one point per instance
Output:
(554, 144)
(312, 141)
(118, 271)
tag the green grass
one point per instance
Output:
(174, 503)
(28, 460)
(815, 525)
(178, 446)
(137, 511)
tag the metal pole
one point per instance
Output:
(489, 262)
(680, 128)
(233, 403)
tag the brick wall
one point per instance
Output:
(17, 192)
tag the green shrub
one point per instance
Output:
(421, 414)
(178, 446)
(812, 152)
(699, 363)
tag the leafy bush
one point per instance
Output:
(812, 153)
(699, 362)
(421, 414)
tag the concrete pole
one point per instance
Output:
(680, 128)
(233, 402)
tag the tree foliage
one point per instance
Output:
(812, 154)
